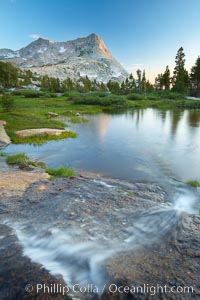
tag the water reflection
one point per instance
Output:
(194, 118)
(141, 145)
(103, 125)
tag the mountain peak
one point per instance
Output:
(98, 43)
(42, 39)
(80, 57)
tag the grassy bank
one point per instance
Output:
(29, 113)
(34, 112)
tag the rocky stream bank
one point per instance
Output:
(97, 231)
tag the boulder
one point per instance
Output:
(4, 138)
(31, 132)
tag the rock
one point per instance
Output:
(32, 132)
(4, 138)
(164, 250)
(19, 276)
(15, 182)
(52, 114)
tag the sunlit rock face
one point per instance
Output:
(83, 56)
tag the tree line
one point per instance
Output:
(180, 80)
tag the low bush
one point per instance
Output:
(96, 100)
(7, 103)
(34, 94)
(153, 97)
(135, 97)
(28, 93)
(170, 95)
(189, 104)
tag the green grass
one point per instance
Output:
(61, 172)
(33, 113)
(3, 154)
(40, 164)
(130, 194)
(18, 159)
(193, 183)
(78, 119)
(40, 139)
(23, 160)
(30, 113)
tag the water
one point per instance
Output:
(80, 256)
(143, 145)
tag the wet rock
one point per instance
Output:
(18, 275)
(144, 242)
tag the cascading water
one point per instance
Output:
(80, 253)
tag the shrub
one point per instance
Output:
(61, 172)
(28, 93)
(96, 100)
(7, 103)
(152, 97)
(34, 94)
(135, 97)
(189, 104)
(170, 95)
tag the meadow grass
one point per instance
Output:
(18, 159)
(29, 113)
(61, 172)
(193, 183)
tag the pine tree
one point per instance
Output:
(166, 79)
(8, 75)
(181, 77)
(195, 74)
(113, 86)
(139, 78)
(143, 81)
(159, 82)
(68, 84)
(103, 87)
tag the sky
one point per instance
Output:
(143, 34)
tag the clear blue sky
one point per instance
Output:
(139, 33)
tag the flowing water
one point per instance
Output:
(141, 146)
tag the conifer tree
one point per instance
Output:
(181, 77)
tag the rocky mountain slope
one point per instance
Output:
(83, 56)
